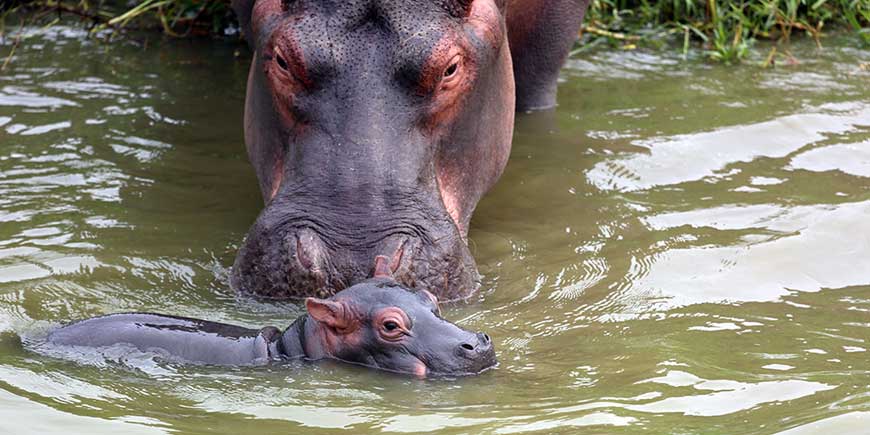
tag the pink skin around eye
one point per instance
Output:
(392, 314)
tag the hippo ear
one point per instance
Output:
(330, 313)
(462, 8)
(431, 298)
(243, 10)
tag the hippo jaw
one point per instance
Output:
(375, 127)
(381, 325)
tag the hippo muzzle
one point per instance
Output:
(294, 250)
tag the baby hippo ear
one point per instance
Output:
(333, 314)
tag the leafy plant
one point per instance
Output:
(725, 30)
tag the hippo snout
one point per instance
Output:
(453, 351)
(288, 254)
(478, 352)
(474, 349)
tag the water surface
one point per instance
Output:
(679, 248)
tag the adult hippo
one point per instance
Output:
(375, 126)
(376, 323)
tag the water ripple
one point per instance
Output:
(709, 152)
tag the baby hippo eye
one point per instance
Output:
(393, 324)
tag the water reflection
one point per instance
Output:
(665, 164)
(852, 159)
(20, 415)
(727, 396)
(853, 423)
(777, 251)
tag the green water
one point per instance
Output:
(679, 249)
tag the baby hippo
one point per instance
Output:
(376, 323)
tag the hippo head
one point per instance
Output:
(380, 324)
(374, 126)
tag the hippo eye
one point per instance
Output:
(279, 59)
(393, 331)
(393, 325)
(452, 68)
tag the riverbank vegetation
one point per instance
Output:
(719, 30)
(722, 31)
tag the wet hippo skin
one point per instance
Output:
(375, 127)
(377, 324)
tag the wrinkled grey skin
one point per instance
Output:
(433, 347)
(360, 147)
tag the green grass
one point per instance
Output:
(720, 30)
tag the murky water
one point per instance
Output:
(680, 248)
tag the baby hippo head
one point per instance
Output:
(382, 325)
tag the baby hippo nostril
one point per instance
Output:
(484, 343)
(467, 346)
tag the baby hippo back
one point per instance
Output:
(177, 338)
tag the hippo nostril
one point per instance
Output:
(396, 255)
(310, 252)
(303, 257)
(486, 338)
(467, 346)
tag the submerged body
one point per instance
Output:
(376, 323)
